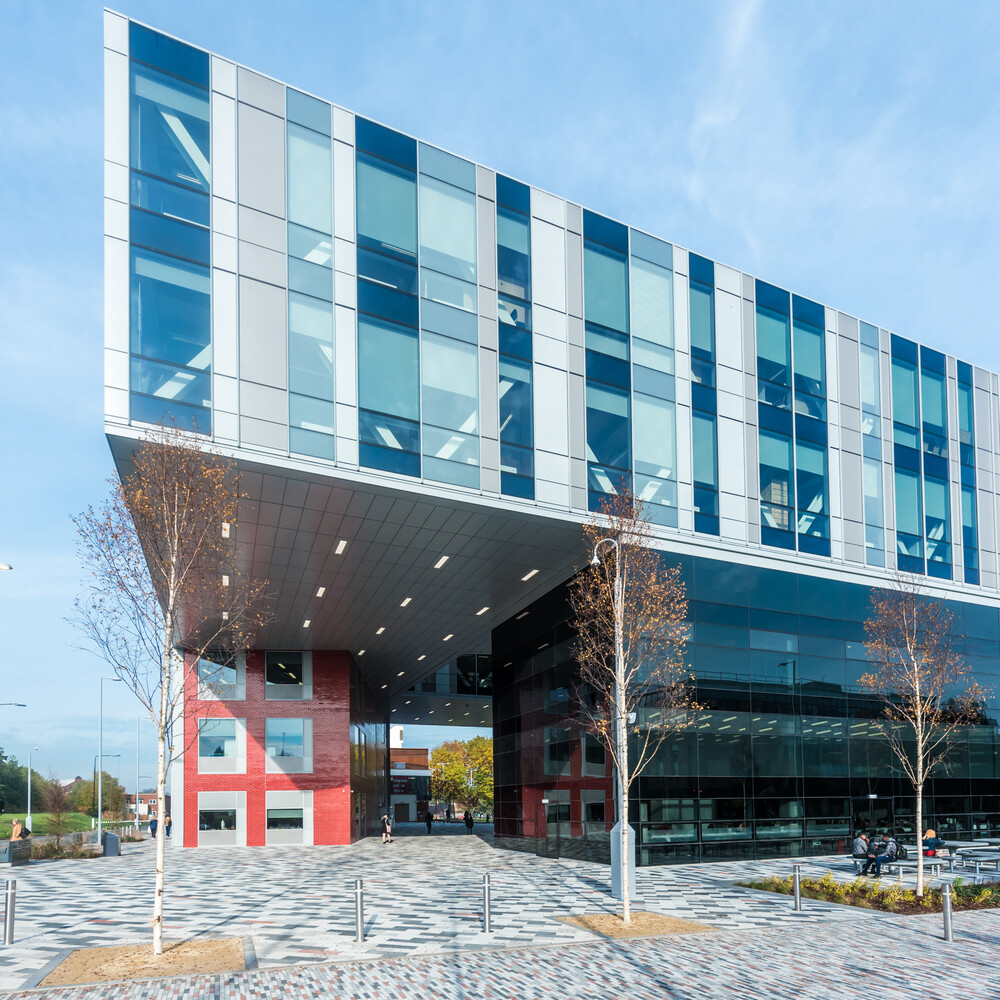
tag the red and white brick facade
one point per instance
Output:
(327, 785)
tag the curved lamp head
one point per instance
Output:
(596, 561)
(5, 566)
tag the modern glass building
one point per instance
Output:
(429, 373)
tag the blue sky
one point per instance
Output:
(846, 151)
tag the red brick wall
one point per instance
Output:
(330, 780)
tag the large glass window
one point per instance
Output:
(170, 181)
(447, 229)
(310, 190)
(704, 440)
(284, 819)
(450, 379)
(773, 339)
(909, 529)
(286, 677)
(286, 738)
(387, 205)
(967, 467)
(777, 492)
(216, 737)
(871, 427)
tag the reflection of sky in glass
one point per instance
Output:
(284, 738)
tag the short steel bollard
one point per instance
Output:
(359, 911)
(487, 924)
(797, 886)
(8, 915)
(946, 912)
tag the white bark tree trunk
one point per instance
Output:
(162, 750)
(920, 830)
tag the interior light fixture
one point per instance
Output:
(466, 713)
(225, 529)
(450, 635)
(447, 704)
(384, 686)
(361, 652)
(431, 712)
(486, 706)
(422, 656)
(482, 611)
(341, 545)
(395, 710)
(416, 718)
(523, 614)
(307, 623)
(380, 630)
(321, 591)
(441, 562)
(400, 674)
(527, 576)
(407, 701)
(405, 601)
(225, 580)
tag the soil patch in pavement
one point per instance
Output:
(644, 924)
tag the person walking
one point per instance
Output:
(152, 828)
(428, 819)
(167, 824)
(386, 829)
(469, 821)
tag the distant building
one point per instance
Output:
(147, 805)
(409, 777)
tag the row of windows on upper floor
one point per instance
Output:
(628, 310)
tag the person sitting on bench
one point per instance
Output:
(859, 851)
(886, 853)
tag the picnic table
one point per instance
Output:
(959, 849)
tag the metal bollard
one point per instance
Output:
(359, 911)
(487, 925)
(797, 886)
(8, 917)
(946, 912)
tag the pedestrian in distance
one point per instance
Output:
(428, 819)
(16, 830)
(167, 824)
(469, 821)
(152, 828)
(386, 829)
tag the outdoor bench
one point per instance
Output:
(932, 865)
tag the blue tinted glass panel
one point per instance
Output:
(448, 230)
(177, 238)
(447, 167)
(310, 346)
(601, 230)
(652, 303)
(172, 200)
(310, 179)
(310, 279)
(777, 491)
(513, 194)
(706, 469)
(168, 54)
(650, 249)
(388, 369)
(155, 410)
(385, 143)
(169, 132)
(515, 402)
(773, 344)
(811, 483)
(701, 298)
(171, 383)
(655, 437)
(308, 111)
(387, 206)
(608, 433)
(605, 287)
(908, 503)
(378, 300)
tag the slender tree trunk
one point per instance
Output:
(161, 796)
(920, 829)
(623, 819)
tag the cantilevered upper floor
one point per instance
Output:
(419, 357)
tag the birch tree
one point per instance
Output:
(165, 588)
(924, 685)
(629, 610)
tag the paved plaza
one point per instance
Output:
(423, 908)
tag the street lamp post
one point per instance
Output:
(100, 750)
(27, 816)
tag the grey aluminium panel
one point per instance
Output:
(261, 161)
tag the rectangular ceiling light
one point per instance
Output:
(400, 674)
(341, 545)
(405, 601)
(450, 635)
(225, 580)
(482, 611)
(379, 631)
(361, 652)
(307, 623)
(422, 656)
(384, 686)
(527, 576)
(441, 562)
(321, 591)
(523, 614)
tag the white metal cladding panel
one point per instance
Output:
(261, 161)
(225, 344)
(223, 147)
(343, 193)
(551, 409)
(343, 125)
(262, 333)
(548, 207)
(574, 274)
(489, 391)
(549, 323)
(116, 115)
(345, 369)
(263, 402)
(116, 181)
(223, 219)
(548, 265)
(263, 434)
(731, 451)
(486, 233)
(261, 91)
(728, 343)
(225, 393)
(262, 230)
(116, 294)
(224, 76)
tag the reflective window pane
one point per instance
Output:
(310, 190)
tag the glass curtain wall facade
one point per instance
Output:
(704, 411)
(170, 181)
(871, 446)
(967, 473)
(786, 758)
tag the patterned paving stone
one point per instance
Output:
(423, 896)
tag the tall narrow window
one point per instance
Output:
(517, 475)
(704, 431)
(170, 184)
(448, 318)
(388, 307)
(967, 467)
(310, 277)
(871, 443)
(934, 433)
(654, 432)
(906, 454)
(609, 404)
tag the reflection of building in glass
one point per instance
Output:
(428, 374)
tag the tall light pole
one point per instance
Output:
(104, 757)
(137, 772)
(100, 750)
(619, 719)
(27, 816)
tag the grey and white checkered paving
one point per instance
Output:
(423, 895)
